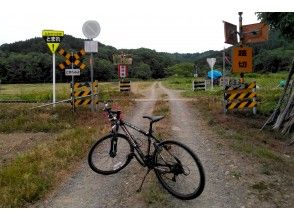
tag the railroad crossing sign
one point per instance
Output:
(72, 59)
(52, 38)
(242, 60)
(122, 71)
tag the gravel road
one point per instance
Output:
(188, 128)
(88, 189)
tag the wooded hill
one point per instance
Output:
(30, 61)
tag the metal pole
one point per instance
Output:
(72, 88)
(211, 77)
(241, 42)
(224, 64)
(240, 28)
(53, 66)
(92, 76)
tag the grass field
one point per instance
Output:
(268, 90)
(44, 92)
(28, 176)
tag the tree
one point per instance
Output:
(182, 69)
(282, 118)
(143, 71)
(283, 21)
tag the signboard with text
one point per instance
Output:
(53, 38)
(122, 71)
(242, 60)
(72, 72)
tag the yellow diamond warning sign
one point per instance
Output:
(52, 38)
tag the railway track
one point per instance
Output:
(21, 101)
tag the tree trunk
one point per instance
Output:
(283, 116)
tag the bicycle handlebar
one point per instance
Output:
(112, 115)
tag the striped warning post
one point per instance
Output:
(243, 94)
(125, 85)
(82, 93)
(240, 97)
(241, 105)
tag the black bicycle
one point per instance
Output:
(177, 168)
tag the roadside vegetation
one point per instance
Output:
(28, 176)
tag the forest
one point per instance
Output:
(30, 61)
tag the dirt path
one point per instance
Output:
(229, 174)
(88, 189)
(189, 129)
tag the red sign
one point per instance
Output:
(122, 71)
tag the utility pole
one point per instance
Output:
(241, 42)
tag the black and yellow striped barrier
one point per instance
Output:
(240, 97)
(82, 93)
(125, 85)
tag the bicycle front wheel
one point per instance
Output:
(179, 170)
(110, 154)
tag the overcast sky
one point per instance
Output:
(184, 26)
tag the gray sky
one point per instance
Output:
(184, 26)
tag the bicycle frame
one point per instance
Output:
(143, 158)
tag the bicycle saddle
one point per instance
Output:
(154, 118)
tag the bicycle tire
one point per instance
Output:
(99, 158)
(168, 155)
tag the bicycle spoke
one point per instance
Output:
(185, 178)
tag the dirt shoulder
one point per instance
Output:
(14, 144)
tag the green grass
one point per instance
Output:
(155, 196)
(28, 177)
(34, 92)
(21, 118)
(268, 91)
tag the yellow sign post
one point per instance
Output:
(53, 39)
(242, 60)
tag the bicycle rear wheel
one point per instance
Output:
(179, 170)
(110, 154)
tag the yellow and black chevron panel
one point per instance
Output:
(240, 95)
(251, 85)
(72, 59)
(79, 54)
(125, 85)
(82, 92)
(241, 105)
(78, 85)
(84, 102)
(79, 64)
(246, 86)
(63, 53)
